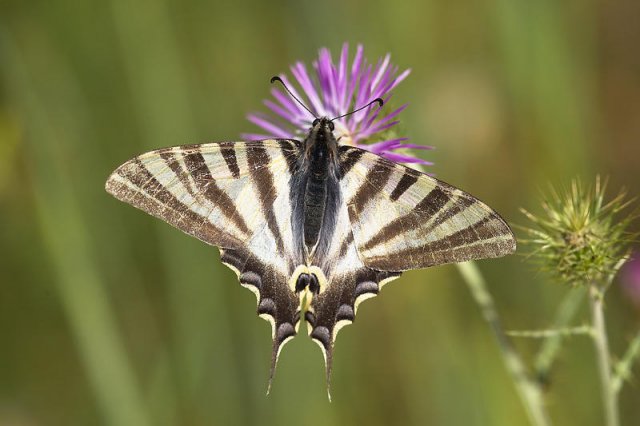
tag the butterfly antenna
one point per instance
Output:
(378, 100)
(276, 78)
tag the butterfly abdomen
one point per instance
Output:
(315, 198)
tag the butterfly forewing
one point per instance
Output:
(403, 219)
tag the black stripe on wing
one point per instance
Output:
(228, 151)
(374, 181)
(206, 186)
(409, 177)
(348, 158)
(262, 177)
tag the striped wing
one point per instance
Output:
(403, 219)
(234, 196)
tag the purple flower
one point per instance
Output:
(631, 279)
(335, 89)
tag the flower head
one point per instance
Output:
(580, 237)
(333, 90)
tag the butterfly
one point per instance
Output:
(311, 227)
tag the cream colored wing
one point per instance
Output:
(403, 219)
(234, 196)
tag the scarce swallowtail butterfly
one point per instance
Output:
(311, 227)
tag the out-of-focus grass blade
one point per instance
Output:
(163, 110)
(547, 85)
(63, 228)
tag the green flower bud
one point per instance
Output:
(579, 237)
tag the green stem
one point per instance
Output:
(623, 368)
(528, 390)
(553, 332)
(551, 346)
(600, 341)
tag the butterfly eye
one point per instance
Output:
(331, 126)
(315, 122)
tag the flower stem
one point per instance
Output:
(528, 390)
(552, 332)
(623, 368)
(551, 345)
(600, 341)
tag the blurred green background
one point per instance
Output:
(108, 316)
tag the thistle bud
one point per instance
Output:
(580, 237)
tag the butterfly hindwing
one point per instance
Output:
(276, 301)
(403, 219)
(338, 304)
(234, 196)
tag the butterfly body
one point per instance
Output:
(315, 185)
(312, 228)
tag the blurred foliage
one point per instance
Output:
(109, 317)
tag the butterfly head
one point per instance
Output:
(321, 145)
(323, 128)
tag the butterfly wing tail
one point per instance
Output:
(276, 303)
(285, 332)
(337, 307)
(324, 336)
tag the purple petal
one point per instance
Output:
(401, 77)
(381, 71)
(287, 102)
(323, 78)
(295, 93)
(342, 78)
(383, 124)
(300, 73)
(415, 146)
(254, 136)
(326, 68)
(385, 145)
(401, 158)
(279, 110)
(270, 127)
(362, 95)
(355, 71)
